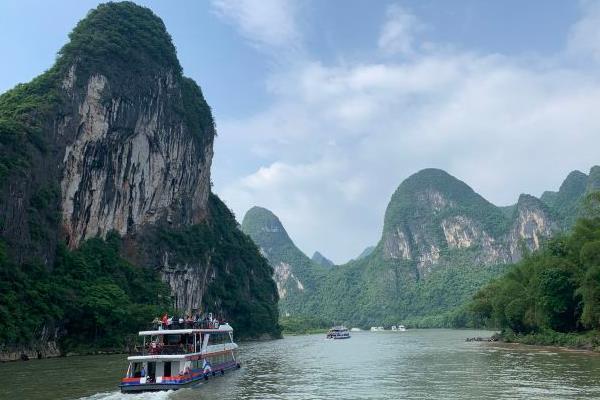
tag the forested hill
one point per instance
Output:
(106, 212)
(552, 294)
(441, 242)
(296, 275)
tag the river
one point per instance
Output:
(416, 364)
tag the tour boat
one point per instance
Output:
(181, 355)
(401, 328)
(377, 329)
(338, 332)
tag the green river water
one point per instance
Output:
(417, 364)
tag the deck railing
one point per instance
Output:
(202, 324)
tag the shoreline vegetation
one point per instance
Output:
(587, 341)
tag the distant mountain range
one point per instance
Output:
(441, 241)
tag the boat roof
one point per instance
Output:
(159, 357)
(222, 328)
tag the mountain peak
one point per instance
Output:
(118, 35)
(431, 191)
(322, 260)
(593, 181)
(264, 227)
(366, 252)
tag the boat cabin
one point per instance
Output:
(180, 356)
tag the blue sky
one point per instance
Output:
(324, 107)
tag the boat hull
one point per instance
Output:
(197, 379)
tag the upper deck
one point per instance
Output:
(187, 331)
(183, 339)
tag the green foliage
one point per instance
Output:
(118, 35)
(267, 232)
(98, 297)
(299, 325)
(406, 206)
(589, 340)
(567, 203)
(556, 289)
(590, 295)
(242, 288)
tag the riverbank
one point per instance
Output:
(579, 341)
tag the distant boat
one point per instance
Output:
(377, 329)
(355, 330)
(338, 332)
(402, 328)
(394, 328)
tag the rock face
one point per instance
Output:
(129, 162)
(533, 223)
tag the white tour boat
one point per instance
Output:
(181, 355)
(338, 332)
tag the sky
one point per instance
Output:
(324, 107)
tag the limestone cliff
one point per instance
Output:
(129, 160)
(432, 215)
(533, 222)
(114, 139)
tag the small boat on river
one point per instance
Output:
(178, 355)
(338, 332)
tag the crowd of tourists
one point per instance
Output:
(197, 321)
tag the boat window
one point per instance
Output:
(217, 338)
(172, 339)
(167, 369)
(136, 370)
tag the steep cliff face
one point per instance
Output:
(113, 139)
(129, 161)
(533, 222)
(296, 276)
(432, 213)
(114, 129)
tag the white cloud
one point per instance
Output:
(338, 139)
(267, 24)
(399, 31)
(584, 38)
